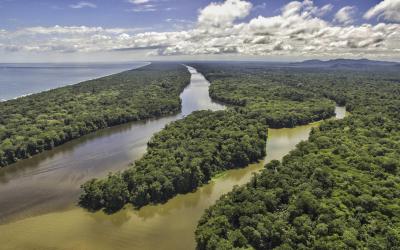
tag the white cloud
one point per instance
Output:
(224, 14)
(389, 10)
(292, 8)
(81, 5)
(138, 1)
(306, 8)
(345, 15)
(297, 31)
(180, 24)
(70, 30)
(145, 8)
(325, 9)
(259, 7)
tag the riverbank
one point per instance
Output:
(172, 223)
(65, 226)
(50, 181)
(23, 79)
(37, 123)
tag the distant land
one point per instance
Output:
(339, 63)
(347, 63)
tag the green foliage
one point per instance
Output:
(93, 194)
(111, 193)
(180, 158)
(272, 96)
(32, 124)
(339, 190)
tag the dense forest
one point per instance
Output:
(180, 158)
(275, 97)
(32, 124)
(339, 190)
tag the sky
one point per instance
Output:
(129, 30)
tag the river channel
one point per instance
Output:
(38, 195)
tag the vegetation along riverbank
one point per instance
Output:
(189, 152)
(32, 124)
(339, 190)
(179, 159)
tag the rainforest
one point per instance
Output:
(207, 125)
(39, 122)
(336, 190)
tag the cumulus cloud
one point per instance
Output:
(389, 10)
(224, 14)
(345, 15)
(298, 30)
(81, 5)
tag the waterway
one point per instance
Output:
(20, 79)
(38, 195)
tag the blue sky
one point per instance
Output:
(119, 13)
(93, 30)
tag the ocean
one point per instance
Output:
(21, 79)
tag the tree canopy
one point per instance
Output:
(274, 96)
(180, 158)
(32, 124)
(338, 190)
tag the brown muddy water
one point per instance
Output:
(38, 196)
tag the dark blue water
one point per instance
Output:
(18, 79)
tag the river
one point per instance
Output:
(38, 195)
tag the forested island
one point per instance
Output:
(274, 96)
(179, 159)
(189, 152)
(32, 124)
(339, 190)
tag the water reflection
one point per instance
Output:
(164, 226)
(196, 96)
(340, 112)
(50, 181)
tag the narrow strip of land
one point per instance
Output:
(189, 152)
(33, 124)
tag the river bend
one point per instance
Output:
(38, 195)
